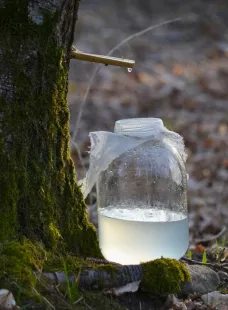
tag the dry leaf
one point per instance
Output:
(200, 248)
(7, 300)
(129, 288)
(178, 70)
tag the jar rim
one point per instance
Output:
(138, 126)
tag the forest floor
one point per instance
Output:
(180, 76)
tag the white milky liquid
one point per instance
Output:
(131, 236)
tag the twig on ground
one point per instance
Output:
(78, 300)
(44, 298)
(58, 291)
(92, 278)
(216, 266)
(88, 306)
(211, 239)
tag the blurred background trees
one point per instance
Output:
(181, 76)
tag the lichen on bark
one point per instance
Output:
(39, 196)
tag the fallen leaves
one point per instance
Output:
(7, 301)
(129, 288)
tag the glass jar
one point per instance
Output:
(142, 195)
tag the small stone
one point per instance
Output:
(190, 304)
(174, 303)
(204, 280)
(194, 296)
(216, 299)
(223, 276)
(198, 305)
(202, 307)
(7, 300)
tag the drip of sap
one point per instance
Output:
(131, 236)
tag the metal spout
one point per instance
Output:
(106, 60)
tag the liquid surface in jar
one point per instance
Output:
(134, 235)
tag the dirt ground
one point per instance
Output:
(180, 76)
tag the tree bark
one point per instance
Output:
(39, 197)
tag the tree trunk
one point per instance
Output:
(39, 197)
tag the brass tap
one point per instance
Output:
(106, 60)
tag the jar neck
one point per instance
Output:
(139, 127)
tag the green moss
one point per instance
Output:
(109, 268)
(18, 262)
(39, 196)
(163, 276)
(101, 269)
(55, 263)
(224, 291)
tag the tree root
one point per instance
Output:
(100, 277)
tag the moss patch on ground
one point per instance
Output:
(163, 276)
(18, 262)
(22, 263)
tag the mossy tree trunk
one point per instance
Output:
(39, 197)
